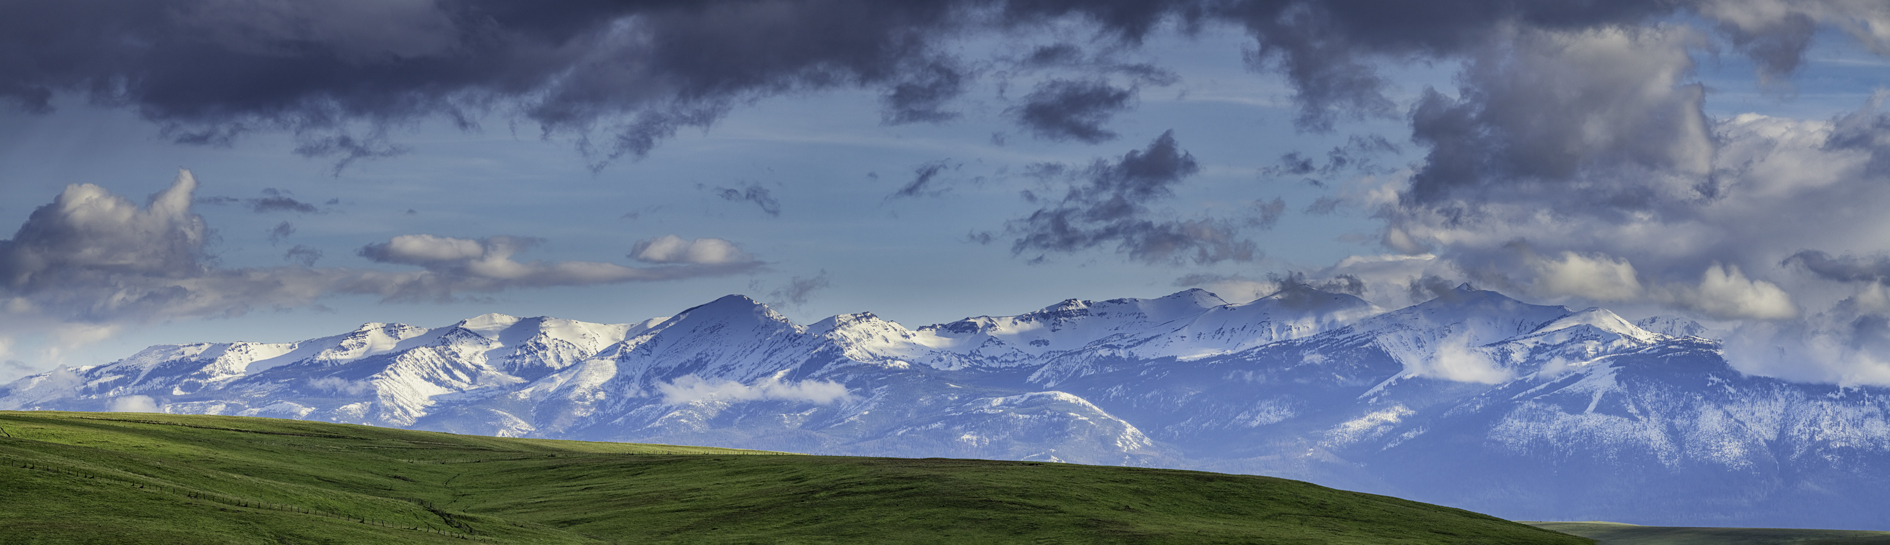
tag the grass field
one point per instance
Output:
(152, 478)
(1612, 533)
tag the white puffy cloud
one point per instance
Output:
(429, 249)
(135, 404)
(1579, 166)
(1594, 277)
(1394, 280)
(1725, 293)
(89, 231)
(457, 265)
(1456, 360)
(1848, 344)
(693, 389)
(702, 251)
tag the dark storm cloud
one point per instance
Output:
(619, 77)
(1866, 130)
(1578, 142)
(1554, 106)
(1108, 204)
(1430, 287)
(1777, 47)
(1065, 55)
(1845, 268)
(922, 96)
(208, 71)
(1328, 50)
(1057, 54)
(616, 76)
(1062, 109)
(1296, 281)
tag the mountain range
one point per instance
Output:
(1473, 399)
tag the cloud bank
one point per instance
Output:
(619, 77)
(702, 251)
(94, 256)
(1576, 164)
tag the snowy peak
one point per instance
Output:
(729, 309)
(488, 325)
(245, 358)
(1306, 299)
(1578, 337)
(1674, 326)
(1065, 326)
(1473, 316)
(1176, 305)
(867, 338)
(843, 322)
(1600, 320)
(369, 340)
(513, 331)
(1293, 313)
(730, 319)
(1181, 304)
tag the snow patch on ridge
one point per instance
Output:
(1370, 425)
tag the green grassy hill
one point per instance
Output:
(1614, 533)
(151, 478)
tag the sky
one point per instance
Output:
(265, 170)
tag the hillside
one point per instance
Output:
(157, 478)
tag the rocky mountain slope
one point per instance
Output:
(1473, 399)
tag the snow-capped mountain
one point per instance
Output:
(1472, 399)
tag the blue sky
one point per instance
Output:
(1586, 156)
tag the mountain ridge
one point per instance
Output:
(1302, 383)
